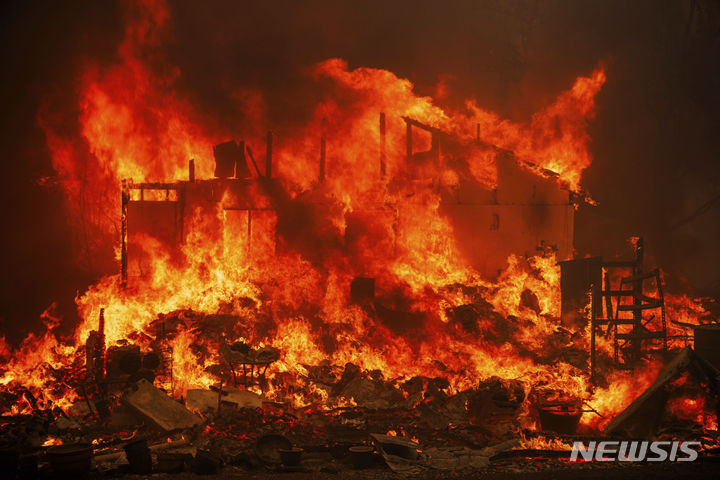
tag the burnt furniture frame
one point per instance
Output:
(631, 335)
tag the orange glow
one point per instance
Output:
(292, 291)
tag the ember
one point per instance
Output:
(390, 283)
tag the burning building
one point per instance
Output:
(390, 273)
(536, 210)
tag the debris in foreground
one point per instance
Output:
(159, 409)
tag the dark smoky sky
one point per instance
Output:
(655, 137)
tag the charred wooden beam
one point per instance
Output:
(637, 287)
(424, 126)
(180, 219)
(123, 235)
(435, 148)
(252, 159)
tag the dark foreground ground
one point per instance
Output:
(530, 470)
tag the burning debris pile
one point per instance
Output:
(131, 410)
(383, 285)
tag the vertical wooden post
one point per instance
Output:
(123, 234)
(268, 156)
(191, 170)
(609, 315)
(477, 134)
(180, 222)
(608, 298)
(636, 343)
(382, 144)
(241, 166)
(435, 147)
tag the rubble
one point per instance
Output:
(401, 455)
(370, 393)
(201, 401)
(268, 448)
(456, 458)
(241, 398)
(171, 462)
(470, 430)
(159, 409)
